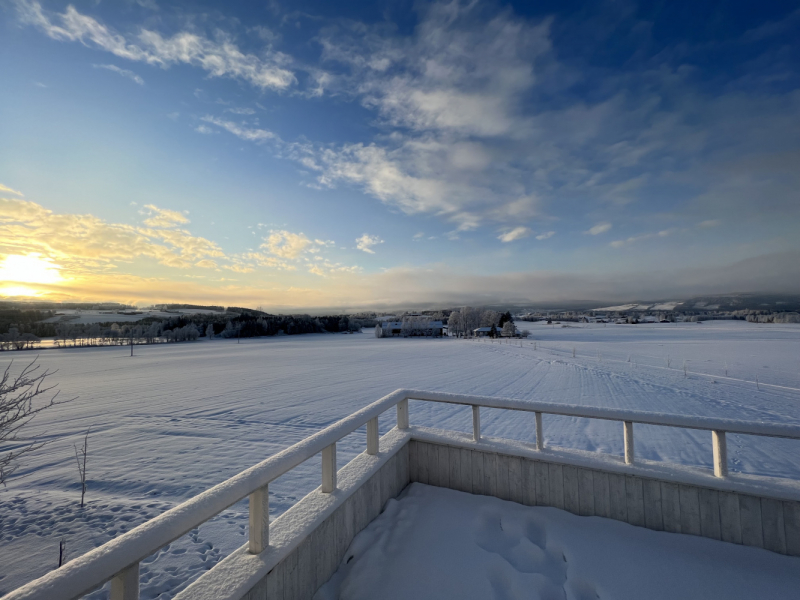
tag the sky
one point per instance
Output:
(320, 155)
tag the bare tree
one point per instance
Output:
(22, 397)
(81, 460)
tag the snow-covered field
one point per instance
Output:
(437, 543)
(176, 419)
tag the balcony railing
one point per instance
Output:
(119, 559)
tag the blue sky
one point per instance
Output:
(317, 154)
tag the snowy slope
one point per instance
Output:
(176, 419)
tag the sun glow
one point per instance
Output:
(19, 290)
(28, 269)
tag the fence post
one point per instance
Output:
(259, 520)
(402, 414)
(720, 453)
(628, 442)
(329, 468)
(372, 436)
(476, 423)
(539, 434)
(125, 584)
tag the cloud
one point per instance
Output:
(546, 235)
(124, 72)
(163, 217)
(219, 58)
(366, 242)
(4, 188)
(451, 94)
(249, 134)
(263, 260)
(514, 234)
(327, 268)
(645, 236)
(599, 228)
(286, 244)
(87, 242)
(241, 111)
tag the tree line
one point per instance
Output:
(235, 322)
(463, 322)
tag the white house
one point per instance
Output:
(410, 326)
(388, 328)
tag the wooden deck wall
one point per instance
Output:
(655, 504)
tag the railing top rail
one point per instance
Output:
(613, 414)
(94, 568)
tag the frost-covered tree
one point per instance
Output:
(210, 331)
(229, 331)
(22, 397)
(454, 324)
(153, 332)
(489, 318)
(509, 329)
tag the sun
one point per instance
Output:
(31, 268)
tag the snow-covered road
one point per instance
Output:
(176, 419)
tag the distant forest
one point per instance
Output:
(22, 328)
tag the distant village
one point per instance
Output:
(469, 322)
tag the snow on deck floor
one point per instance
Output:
(434, 543)
(176, 419)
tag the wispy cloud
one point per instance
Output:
(219, 58)
(205, 129)
(546, 235)
(124, 72)
(599, 228)
(163, 217)
(5, 188)
(645, 236)
(241, 111)
(514, 234)
(366, 242)
(250, 134)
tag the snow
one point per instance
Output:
(436, 543)
(176, 419)
(89, 317)
(627, 307)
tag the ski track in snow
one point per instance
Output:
(176, 419)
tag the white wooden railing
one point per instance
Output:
(118, 560)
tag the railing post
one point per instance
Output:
(402, 414)
(259, 520)
(476, 423)
(720, 453)
(539, 434)
(125, 584)
(372, 436)
(628, 442)
(329, 468)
